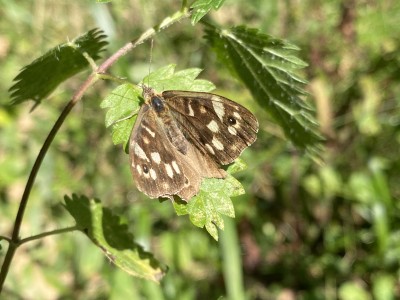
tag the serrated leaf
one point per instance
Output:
(166, 78)
(267, 66)
(213, 201)
(237, 166)
(202, 7)
(122, 102)
(38, 79)
(113, 238)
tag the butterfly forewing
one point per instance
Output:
(154, 166)
(216, 125)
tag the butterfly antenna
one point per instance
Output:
(151, 59)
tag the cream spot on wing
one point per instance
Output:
(213, 126)
(237, 115)
(209, 148)
(218, 107)
(176, 168)
(233, 147)
(153, 174)
(232, 130)
(152, 133)
(217, 144)
(155, 156)
(191, 112)
(165, 185)
(203, 110)
(168, 168)
(146, 140)
(139, 169)
(139, 152)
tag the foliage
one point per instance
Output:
(37, 80)
(301, 231)
(108, 233)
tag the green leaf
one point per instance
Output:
(122, 102)
(237, 166)
(108, 233)
(166, 78)
(125, 100)
(213, 201)
(38, 79)
(202, 7)
(267, 67)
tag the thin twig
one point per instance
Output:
(2, 237)
(48, 233)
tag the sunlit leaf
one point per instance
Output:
(267, 66)
(112, 237)
(214, 200)
(202, 7)
(122, 104)
(38, 79)
(166, 78)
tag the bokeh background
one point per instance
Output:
(302, 230)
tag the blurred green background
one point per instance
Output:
(302, 231)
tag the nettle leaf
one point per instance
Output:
(122, 103)
(125, 100)
(202, 7)
(166, 78)
(267, 66)
(38, 79)
(108, 233)
(214, 200)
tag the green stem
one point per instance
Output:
(48, 233)
(15, 239)
(2, 237)
(232, 262)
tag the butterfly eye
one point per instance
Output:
(157, 104)
(231, 120)
(145, 169)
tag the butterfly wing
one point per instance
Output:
(215, 125)
(154, 164)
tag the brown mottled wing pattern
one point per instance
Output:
(217, 126)
(181, 137)
(154, 164)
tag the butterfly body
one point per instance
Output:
(181, 137)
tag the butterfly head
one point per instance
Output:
(153, 99)
(157, 104)
(148, 92)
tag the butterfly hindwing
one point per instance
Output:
(216, 125)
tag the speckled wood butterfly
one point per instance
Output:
(181, 137)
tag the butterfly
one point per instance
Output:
(181, 137)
